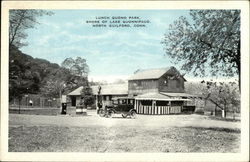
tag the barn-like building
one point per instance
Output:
(156, 91)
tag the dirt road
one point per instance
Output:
(146, 121)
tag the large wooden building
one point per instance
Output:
(156, 91)
(156, 80)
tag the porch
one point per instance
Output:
(158, 104)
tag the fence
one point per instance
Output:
(38, 101)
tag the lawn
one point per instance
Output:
(85, 139)
(144, 134)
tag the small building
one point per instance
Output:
(110, 91)
(107, 92)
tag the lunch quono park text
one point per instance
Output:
(118, 21)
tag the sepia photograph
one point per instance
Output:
(122, 81)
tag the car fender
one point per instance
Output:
(132, 110)
(111, 109)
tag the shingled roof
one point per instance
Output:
(110, 89)
(149, 73)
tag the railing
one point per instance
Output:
(158, 110)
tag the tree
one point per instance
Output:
(76, 66)
(208, 42)
(19, 21)
(119, 81)
(87, 95)
(224, 95)
(22, 79)
(60, 81)
(55, 83)
(79, 68)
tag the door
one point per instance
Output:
(73, 100)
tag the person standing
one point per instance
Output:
(31, 102)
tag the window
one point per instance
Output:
(130, 102)
(123, 101)
(146, 102)
(166, 82)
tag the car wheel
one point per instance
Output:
(110, 114)
(133, 114)
(101, 113)
(124, 115)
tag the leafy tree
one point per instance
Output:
(54, 84)
(19, 21)
(87, 95)
(60, 81)
(207, 42)
(76, 66)
(22, 79)
(224, 95)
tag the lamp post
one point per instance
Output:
(62, 104)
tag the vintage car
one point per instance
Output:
(121, 105)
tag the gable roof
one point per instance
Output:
(110, 89)
(152, 73)
(76, 92)
(149, 73)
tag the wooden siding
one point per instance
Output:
(167, 85)
(142, 86)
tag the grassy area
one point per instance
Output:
(125, 139)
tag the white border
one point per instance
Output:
(243, 156)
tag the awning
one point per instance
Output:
(116, 98)
(158, 97)
(178, 94)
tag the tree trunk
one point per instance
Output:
(238, 64)
(225, 110)
(19, 101)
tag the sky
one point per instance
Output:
(110, 52)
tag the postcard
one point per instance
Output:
(125, 81)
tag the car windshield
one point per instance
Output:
(121, 101)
